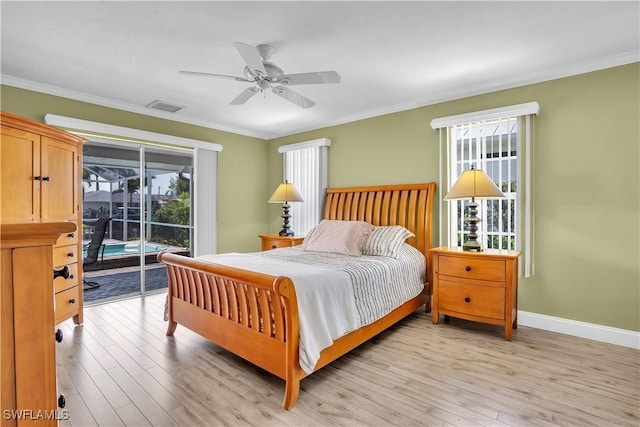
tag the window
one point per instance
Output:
(497, 141)
(305, 166)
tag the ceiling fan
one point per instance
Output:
(267, 75)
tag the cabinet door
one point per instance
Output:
(19, 189)
(59, 166)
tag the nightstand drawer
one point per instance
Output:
(482, 301)
(473, 268)
(274, 241)
(273, 244)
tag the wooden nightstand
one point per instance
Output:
(478, 286)
(273, 241)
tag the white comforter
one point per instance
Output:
(336, 293)
(316, 288)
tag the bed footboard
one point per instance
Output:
(253, 315)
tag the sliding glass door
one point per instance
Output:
(147, 192)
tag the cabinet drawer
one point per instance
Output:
(67, 303)
(472, 268)
(482, 301)
(67, 239)
(60, 283)
(64, 255)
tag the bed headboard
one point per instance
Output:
(409, 205)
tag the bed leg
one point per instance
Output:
(171, 328)
(291, 391)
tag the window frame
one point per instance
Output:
(524, 228)
(313, 190)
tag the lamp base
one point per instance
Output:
(472, 223)
(472, 246)
(286, 228)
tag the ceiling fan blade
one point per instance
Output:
(245, 95)
(252, 58)
(309, 78)
(294, 97)
(224, 76)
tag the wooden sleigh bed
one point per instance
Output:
(255, 315)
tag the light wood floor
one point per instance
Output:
(120, 369)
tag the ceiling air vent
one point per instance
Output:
(164, 106)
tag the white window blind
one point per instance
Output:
(305, 166)
(497, 141)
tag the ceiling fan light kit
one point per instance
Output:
(264, 74)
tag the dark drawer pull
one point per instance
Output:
(467, 299)
(72, 301)
(467, 268)
(64, 272)
(59, 335)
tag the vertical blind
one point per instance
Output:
(305, 166)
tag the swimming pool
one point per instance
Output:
(128, 248)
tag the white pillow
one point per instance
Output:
(386, 240)
(339, 237)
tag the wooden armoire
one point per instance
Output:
(41, 248)
(40, 181)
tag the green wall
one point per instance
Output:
(242, 163)
(586, 178)
(586, 184)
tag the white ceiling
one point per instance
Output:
(392, 56)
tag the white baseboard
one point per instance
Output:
(591, 331)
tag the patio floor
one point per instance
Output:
(120, 282)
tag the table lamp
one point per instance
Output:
(471, 184)
(285, 193)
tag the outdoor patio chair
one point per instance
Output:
(95, 250)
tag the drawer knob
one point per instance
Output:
(64, 272)
(59, 335)
(467, 299)
(72, 301)
(467, 268)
